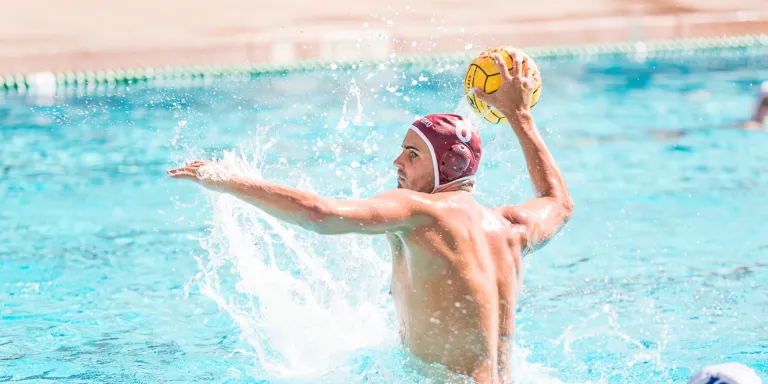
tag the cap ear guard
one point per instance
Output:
(455, 161)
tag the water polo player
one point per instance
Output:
(456, 265)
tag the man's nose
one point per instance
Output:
(398, 162)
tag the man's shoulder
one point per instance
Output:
(438, 205)
(405, 195)
(415, 203)
(462, 207)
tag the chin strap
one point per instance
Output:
(453, 182)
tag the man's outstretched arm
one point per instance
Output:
(543, 216)
(393, 211)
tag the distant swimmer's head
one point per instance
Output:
(438, 150)
(728, 373)
(761, 112)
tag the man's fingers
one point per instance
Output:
(175, 172)
(181, 173)
(196, 163)
(517, 64)
(503, 70)
(530, 73)
(482, 95)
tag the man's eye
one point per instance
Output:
(413, 155)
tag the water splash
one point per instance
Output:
(354, 91)
(604, 331)
(303, 303)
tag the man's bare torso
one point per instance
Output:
(455, 284)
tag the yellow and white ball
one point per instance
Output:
(483, 73)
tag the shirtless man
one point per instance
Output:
(456, 265)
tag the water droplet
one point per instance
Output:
(457, 304)
(389, 23)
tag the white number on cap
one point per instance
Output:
(464, 133)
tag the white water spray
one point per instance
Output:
(303, 302)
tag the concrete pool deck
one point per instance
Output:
(40, 35)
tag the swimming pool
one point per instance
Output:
(111, 272)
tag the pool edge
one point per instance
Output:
(206, 74)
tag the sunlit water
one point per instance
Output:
(111, 272)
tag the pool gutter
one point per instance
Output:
(50, 82)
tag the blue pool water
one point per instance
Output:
(111, 272)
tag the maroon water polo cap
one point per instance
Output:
(454, 143)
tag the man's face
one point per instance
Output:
(414, 165)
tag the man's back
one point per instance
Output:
(454, 284)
